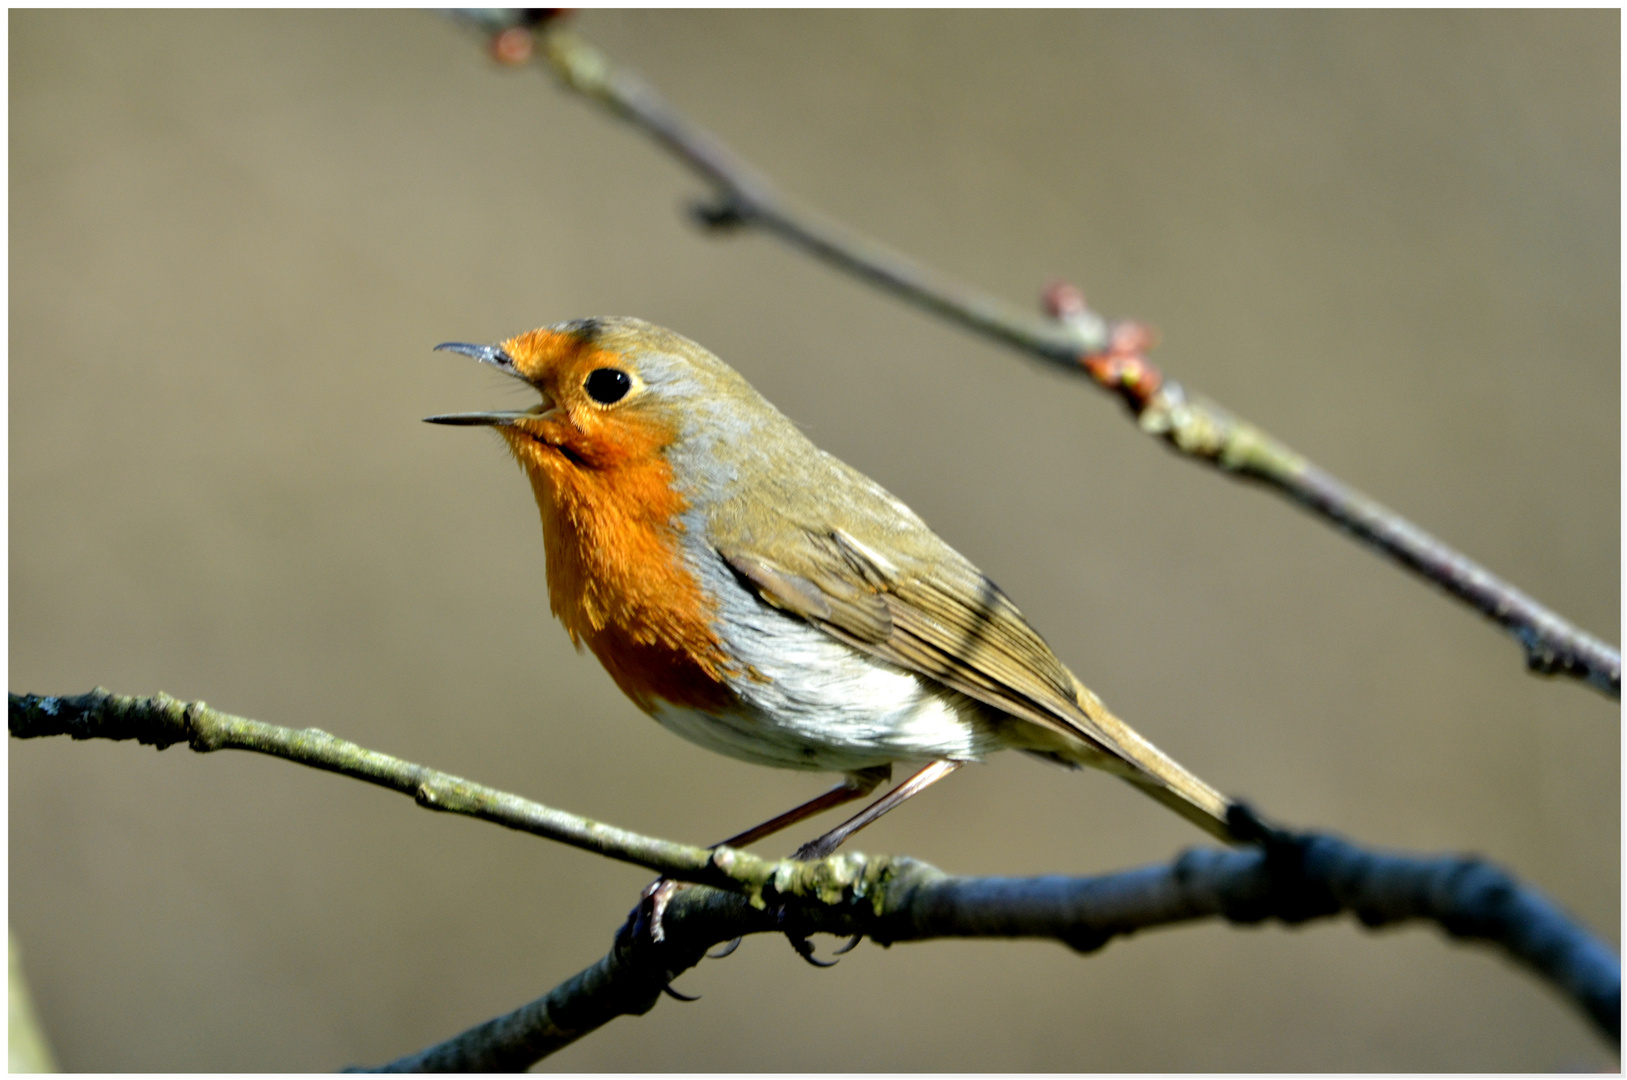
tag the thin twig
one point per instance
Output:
(1111, 353)
(162, 721)
(1290, 877)
(1203, 430)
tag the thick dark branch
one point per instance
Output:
(1078, 340)
(628, 981)
(1309, 877)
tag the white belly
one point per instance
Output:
(825, 706)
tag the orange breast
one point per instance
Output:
(615, 575)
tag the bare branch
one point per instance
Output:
(1076, 339)
(1289, 877)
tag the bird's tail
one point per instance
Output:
(1133, 758)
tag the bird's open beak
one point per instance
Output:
(497, 358)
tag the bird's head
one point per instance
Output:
(621, 393)
(614, 391)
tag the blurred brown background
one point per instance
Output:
(1391, 239)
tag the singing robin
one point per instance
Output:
(765, 600)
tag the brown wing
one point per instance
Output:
(955, 625)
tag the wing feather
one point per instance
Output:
(944, 619)
(957, 627)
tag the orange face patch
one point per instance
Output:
(540, 355)
(616, 578)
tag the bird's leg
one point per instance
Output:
(855, 785)
(824, 845)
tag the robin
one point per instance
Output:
(765, 600)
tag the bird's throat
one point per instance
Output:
(618, 582)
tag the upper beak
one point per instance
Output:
(486, 354)
(497, 358)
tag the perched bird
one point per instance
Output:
(765, 600)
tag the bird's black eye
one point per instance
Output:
(608, 385)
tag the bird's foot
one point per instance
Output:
(657, 894)
(804, 948)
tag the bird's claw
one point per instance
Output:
(788, 925)
(671, 993)
(727, 950)
(852, 943)
(805, 949)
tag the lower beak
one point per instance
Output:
(478, 419)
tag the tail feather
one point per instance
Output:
(1131, 757)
